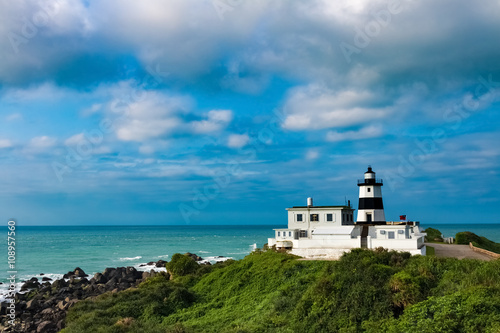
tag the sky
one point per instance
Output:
(229, 111)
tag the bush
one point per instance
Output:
(467, 237)
(182, 265)
(433, 235)
(482, 242)
(364, 291)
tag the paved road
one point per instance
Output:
(457, 251)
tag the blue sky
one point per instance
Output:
(227, 112)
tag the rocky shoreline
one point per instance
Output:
(43, 306)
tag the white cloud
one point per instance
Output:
(216, 121)
(154, 116)
(5, 143)
(92, 109)
(315, 107)
(75, 139)
(237, 140)
(312, 154)
(368, 132)
(40, 144)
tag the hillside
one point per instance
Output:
(365, 291)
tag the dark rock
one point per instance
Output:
(79, 272)
(60, 325)
(30, 284)
(26, 317)
(47, 311)
(32, 304)
(123, 285)
(99, 278)
(41, 274)
(46, 327)
(194, 256)
(46, 279)
(160, 263)
(58, 284)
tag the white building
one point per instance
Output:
(329, 231)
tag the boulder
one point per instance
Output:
(62, 305)
(46, 279)
(99, 278)
(161, 263)
(30, 284)
(58, 284)
(194, 256)
(46, 327)
(79, 272)
(32, 304)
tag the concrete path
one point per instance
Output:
(457, 251)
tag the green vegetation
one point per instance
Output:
(182, 265)
(467, 237)
(433, 235)
(365, 291)
(430, 251)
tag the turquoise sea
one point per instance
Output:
(55, 250)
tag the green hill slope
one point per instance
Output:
(365, 291)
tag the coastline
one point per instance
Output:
(42, 302)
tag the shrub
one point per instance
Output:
(467, 237)
(482, 242)
(182, 265)
(433, 235)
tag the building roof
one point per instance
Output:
(345, 207)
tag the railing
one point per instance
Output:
(371, 181)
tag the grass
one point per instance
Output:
(430, 251)
(365, 291)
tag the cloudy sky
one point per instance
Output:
(229, 111)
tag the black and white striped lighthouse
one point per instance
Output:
(371, 207)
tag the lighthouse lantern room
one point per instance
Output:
(371, 206)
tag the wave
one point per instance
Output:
(203, 252)
(163, 256)
(146, 268)
(129, 259)
(213, 260)
(4, 288)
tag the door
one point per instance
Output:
(368, 218)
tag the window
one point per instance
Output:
(391, 234)
(368, 189)
(314, 217)
(382, 232)
(299, 217)
(401, 231)
(278, 233)
(303, 233)
(289, 234)
(329, 217)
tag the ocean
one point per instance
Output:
(55, 250)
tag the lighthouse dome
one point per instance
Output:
(370, 174)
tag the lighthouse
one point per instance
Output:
(371, 207)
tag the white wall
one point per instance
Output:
(309, 225)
